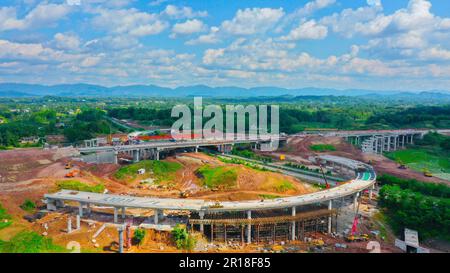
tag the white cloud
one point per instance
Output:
(67, 41)
(435, 53)
(90, 61)
(43, 15)
(303, 12)
(32, 52)
(251, 21)
(211, 55)
(129, 21)
(374, 2)
(314, 6)
(210, 38)
(157, 2)
(182, 12)
(308, 30)
(189, 27)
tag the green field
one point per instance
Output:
(5, 218)
(79, 186)
(217, 177)
(322, 148)
(160, 170)
(434, 160)
(29, 242)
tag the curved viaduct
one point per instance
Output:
(308, 211)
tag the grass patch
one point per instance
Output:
(283, 186)
(5, 218)
(29, 242)
(28, 205)
(80, 186)
(426, 158)
(269, 196)
(217, 177)
(242, 162)
(243, 151)
(322, 148)
(162, 170)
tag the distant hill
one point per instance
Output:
(89, 90)
(14, 94)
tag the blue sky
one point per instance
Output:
(370, 44)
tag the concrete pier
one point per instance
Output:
(330, 206)
(293, 224)
(249, 228)
(80, 209)
(355, 201)
(69, 224)
(123, 213)
(120, 229)
(78, 222)
(201, 214)
(115, 214)
(156, 216)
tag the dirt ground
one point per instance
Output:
(297, 149)
(251, 184)
(385, 165)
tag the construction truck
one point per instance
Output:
(68, 165)
(357, 238)
(282, 157)
(71, 174)
(184, 194)
(216, 205)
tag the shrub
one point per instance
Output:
(182, 238)
(28, 205)
(139, 235)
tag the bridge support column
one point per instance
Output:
(330, 206)
(116, 159)
(156, 216)
(116, 212)
(293, 224)
(69, 224)
(136, 155)
(157, 154)
(88, 208)
(355, 202)
(123, 212)
(249, 228)
(201, 214)
(78, 222)
(196, 149)
(120, 229)
(80, 209)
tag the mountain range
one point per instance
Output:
(89, 90)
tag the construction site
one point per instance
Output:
(264, 207)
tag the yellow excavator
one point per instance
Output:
(427, 173)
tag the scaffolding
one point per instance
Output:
(279, 227)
